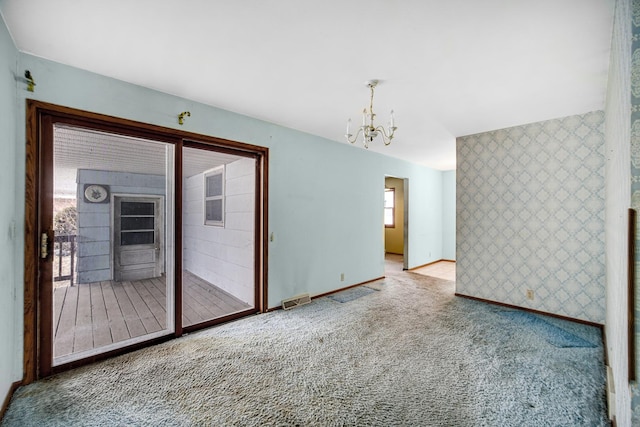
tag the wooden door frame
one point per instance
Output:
(39, 119)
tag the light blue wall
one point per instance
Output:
(10, 368)
(449, 215)
(325, 198)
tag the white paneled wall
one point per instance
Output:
(223, 256)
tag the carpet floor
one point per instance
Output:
(404, 352)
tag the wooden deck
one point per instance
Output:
(93, 315)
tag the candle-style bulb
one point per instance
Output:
(364, 117)
(392, 124)
(349, 126)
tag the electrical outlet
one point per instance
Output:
(342, 277)
(530, 294)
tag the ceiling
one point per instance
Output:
(77, 148)
(448, 68)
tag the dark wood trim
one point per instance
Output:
(45, 276)
(103, 356)
(219, 320)
(264, 227)
(36, 111)
(544, 313)
(260, 236)
(7, 398)
(631, 294)
(430, 263)
(178, 244)
(335, 291)
(347, 287)
(128, 127)
(32, 178)
(604, 345)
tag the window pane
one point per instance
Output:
(136, 208)
(136, 238)
(389, 196)
(214, 210)
(388, 216)
(137, 223)
(214, 185)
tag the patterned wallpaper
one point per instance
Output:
(530, 215)
(635, 184)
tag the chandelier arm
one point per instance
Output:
(386, 138)
(355, 137)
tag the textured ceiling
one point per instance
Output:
(448, 68)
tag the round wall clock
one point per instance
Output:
(95, 193)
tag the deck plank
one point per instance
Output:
(63, 342)
(222, 298)
(155, 307)
(58, 300)
(140, 306)
(200, 302)
(119, 331)
(134, 325)
(83, 337)
(98, 314)
(159, 290)
(100, 320)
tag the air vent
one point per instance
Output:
(296, 301)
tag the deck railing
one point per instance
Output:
(63, 246)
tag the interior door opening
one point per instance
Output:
(396, 223)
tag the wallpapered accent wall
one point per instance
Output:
(530, 215)
(635, 185)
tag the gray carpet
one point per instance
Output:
(409, 354)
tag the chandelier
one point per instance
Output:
(368, 130)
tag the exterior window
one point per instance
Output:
(389, 207)
(214, 197)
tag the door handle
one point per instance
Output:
(44, 245)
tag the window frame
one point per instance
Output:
(219, 170)
(391, 190)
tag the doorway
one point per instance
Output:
(396, 223)
(111, 217)
(137, 237)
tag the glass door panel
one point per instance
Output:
(113, 242)
(218, 235)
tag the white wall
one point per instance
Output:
(10, 310)
(223, 256)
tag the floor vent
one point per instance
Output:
(296, 301)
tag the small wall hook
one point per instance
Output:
(30, 83)
(182, 115)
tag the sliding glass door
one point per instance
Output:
(111, 283)
(218, 235)
(138, 233)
